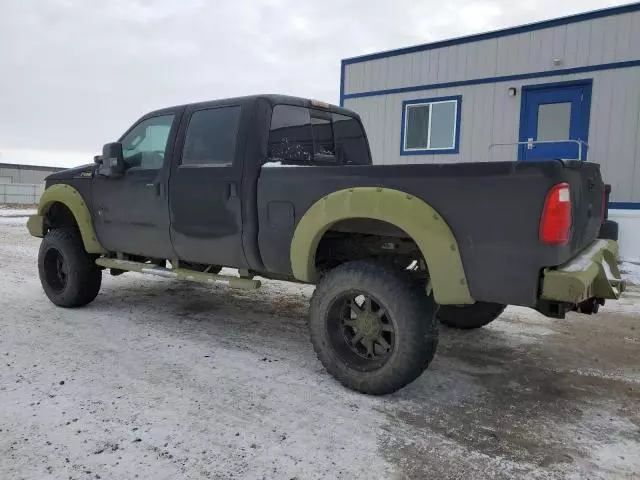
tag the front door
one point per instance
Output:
(552, 115)
(206, 187)
(131, 212)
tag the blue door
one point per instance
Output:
(552, 114)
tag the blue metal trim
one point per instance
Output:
(521, 133)
(342, 68)
(569, 83)
(504, 78)
(446, 151)
(624, 205)
(581, 17)
(588, 91)
(587, 83)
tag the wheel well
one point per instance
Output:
(59, 216)
(362, 238)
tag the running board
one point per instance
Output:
(179, 273)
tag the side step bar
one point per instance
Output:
(179, 273)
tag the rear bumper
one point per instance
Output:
(593, 273)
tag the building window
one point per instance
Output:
(431, 126)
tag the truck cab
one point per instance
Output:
(187, 186)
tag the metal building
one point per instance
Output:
(563, 88)
(21, 184)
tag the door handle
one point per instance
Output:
(530, 143)
(156, 186)
(232, 190)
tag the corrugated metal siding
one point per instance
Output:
(489, 115)
(20, 193)
(579, 44)
(24, 173)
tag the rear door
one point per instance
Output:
(205, 187)
(554, 118)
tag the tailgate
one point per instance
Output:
(587, 196)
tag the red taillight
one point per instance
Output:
(555, 224)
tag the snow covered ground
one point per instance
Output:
(166, 380)
(631, 272)
(14, 216)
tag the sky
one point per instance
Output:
(75, 74)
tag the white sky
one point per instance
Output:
(74, 74)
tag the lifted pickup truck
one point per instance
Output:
(392, 249)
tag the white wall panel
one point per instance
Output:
(489, 115)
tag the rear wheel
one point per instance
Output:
(467, 317)
(68, 274)
(372, 326)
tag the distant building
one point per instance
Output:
(10, 173)
(563, 88)
(21, 184)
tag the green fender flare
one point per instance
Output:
(418, 219)
(71, 198)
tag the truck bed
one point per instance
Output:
(492, 208)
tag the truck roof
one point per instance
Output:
(273, 99)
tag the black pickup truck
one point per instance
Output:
(284, 188)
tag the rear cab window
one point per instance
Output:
(309, 136)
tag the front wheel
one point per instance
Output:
(68, 274)
(372, 326)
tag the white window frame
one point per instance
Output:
(430, 102)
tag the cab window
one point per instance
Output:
(211, 137)
(291, 137)
(146, 144)
(309, 136)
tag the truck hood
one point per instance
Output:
(84, 171)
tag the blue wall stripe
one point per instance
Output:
(624, 205)
(581, 17)
(342, 78)
(480, 81)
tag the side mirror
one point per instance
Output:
(111, 162)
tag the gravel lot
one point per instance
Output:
(170, 380)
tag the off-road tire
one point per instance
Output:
(609, 230)
(83, 278)
(409, 308)
(467, 317)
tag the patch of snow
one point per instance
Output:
(631, 272)
(279, 164)
(166, 379)
(13, 221)
(599, 373)
(17, 212)
(583, 260)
